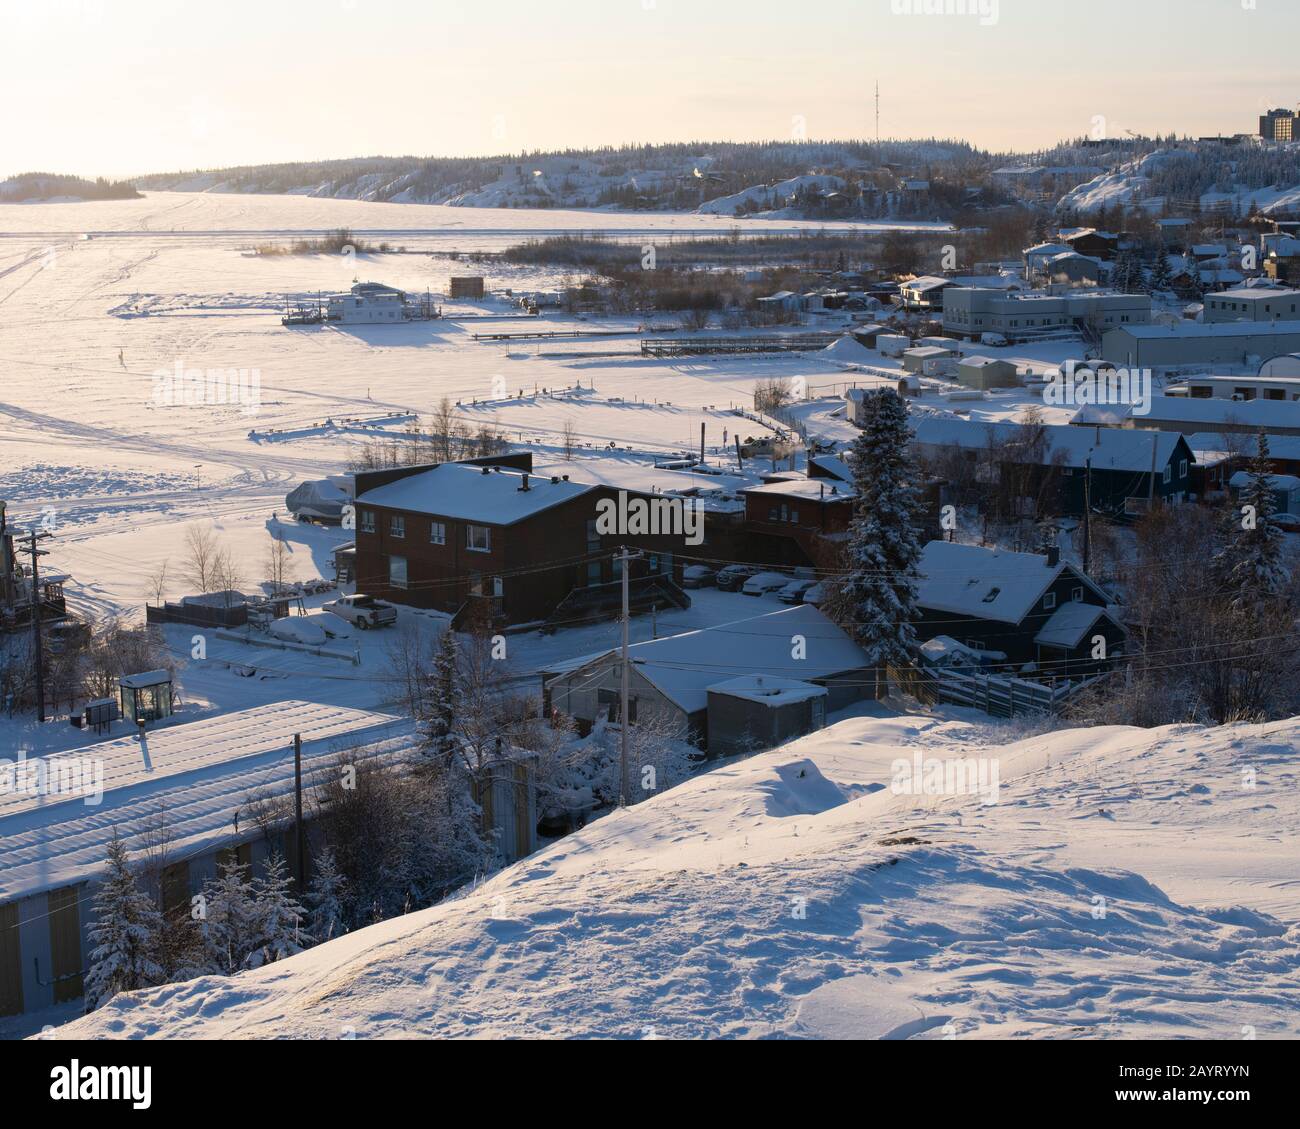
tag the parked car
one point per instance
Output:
(733, 577)
(699, 576)
(793, 593)
(764, 583)
(996, 340)
(815, 595)
(362, 611)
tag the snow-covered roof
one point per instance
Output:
(981, 362)
(471, 493)
(200, 773)
(814, 489)
(1211, 329)
(926, 283)
(986, 583)
(1109, 448)
(1211, 410)
(1255, 294)
(1211, 443)
(1241, 480)
(1069, 625)
(145, 680)
(767, 691)
(683, 667)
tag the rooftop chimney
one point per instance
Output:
(1053, 556)
(524, 485)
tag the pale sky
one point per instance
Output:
(123, 87)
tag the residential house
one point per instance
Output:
(437, 536)
(1032, 608)
(670, 678)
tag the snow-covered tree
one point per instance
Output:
(125, 937)
(1249, 567)
(231, 926)
(325, 915)
(879, 593)
(1162, 277)
(440, 729)
(280, 916)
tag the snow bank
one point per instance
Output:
(796, 894)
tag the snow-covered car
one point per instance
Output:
(793, 593)
(699, 576)
(1288, 522)
(764, 583)
(994, 340)
(362, 611)
(815, 595)
(733, 577)
(298, 629)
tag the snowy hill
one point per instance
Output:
(1127, 883)
(1205, 176)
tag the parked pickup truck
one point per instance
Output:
(362, 611)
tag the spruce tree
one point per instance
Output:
(325, 916)
(280, 916)
(1161, 276)
(1249, 568)
(440, 729)
(126, 935)
(231, 927)
(884, 537)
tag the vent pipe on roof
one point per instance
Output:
(487, 470)
(1053, 556)
(524, 485)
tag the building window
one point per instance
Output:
(1168, 475)
(1077, 595)
(1049, 601)
(396, 525)
(478, 538)
(397, 572)
(367, 521)
(437, 533)
(1182, 468)
(498, 586)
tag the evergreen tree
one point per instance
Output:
(884, 539)
(440, 729)
(325, 914)
(280, 916)
(1162, 276)
(126, 934)
(1249, 567)
(231, 926)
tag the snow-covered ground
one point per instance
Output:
(1126, 883)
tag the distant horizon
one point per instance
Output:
(517, 155)
(146, 88)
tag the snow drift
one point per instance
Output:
(1129, 883)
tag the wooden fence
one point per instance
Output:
(997, 695)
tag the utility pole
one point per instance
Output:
(1087, 516)
(37, 608)
(300, 852)
(623, 783)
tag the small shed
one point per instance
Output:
(147, 696)
(893, 344)
(938, 343)
(757, 712)
(930, 361)
(983, 373)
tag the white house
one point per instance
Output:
(367, 303)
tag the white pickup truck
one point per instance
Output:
(362, 611)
